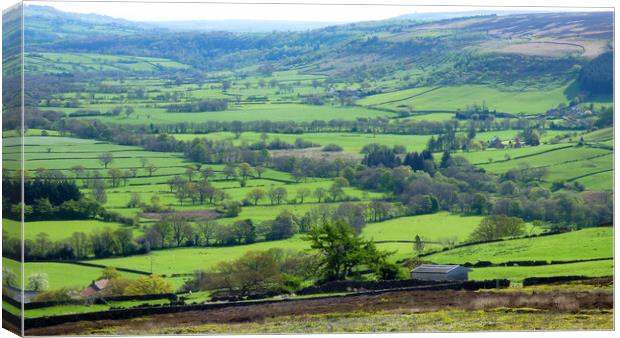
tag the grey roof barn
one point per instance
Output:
(440, 272)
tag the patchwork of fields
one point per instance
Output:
(564, 160)
(349, 135)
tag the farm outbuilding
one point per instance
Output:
(94, 288)
(440, 272)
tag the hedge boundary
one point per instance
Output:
(530, 281)
(348, 286)
(548, 233)
(98, 300)
(91, 265)
(484, 264)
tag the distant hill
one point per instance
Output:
(44, 24)
(477, 47)
(248, 26)
(433, 16)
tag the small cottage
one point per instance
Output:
(94, 288)
(440, 272)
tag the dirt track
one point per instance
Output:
(418, 301)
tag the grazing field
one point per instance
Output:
(498, 155)
(354, 142)
(452, 98)
(601, 181)
(549, 159)
(563, 164)
(188, 260)
(60, 275)
(57, 230)
(395, 96)
(518, 273)
(575, 245)
(437, 227)
(85, 62)
(248, 112)
(600, 135)
(350, 142)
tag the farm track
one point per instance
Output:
(399, 301)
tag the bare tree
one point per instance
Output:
(151, 168)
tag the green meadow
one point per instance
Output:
(188, 260)
(56, 230)
(60, 275)
(86, 62)
(452, 98)
(518, 273)
(575, 245)
(242, 112)
(433, 228)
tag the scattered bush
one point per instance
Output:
(332, 148)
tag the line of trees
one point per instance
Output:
(200, 106)
(116, 133)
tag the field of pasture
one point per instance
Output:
(85, 62)
(453, 98)
(594, 243)
(60, 275)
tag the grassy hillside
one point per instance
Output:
(518, 273)
(582, 244)
(452, 98)
(60, 275)
(56, 230)
(38, 63)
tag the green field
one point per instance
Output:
(247, 112)
(57, 230)
(84, 62)
(452, 98)
(60, 275)
(433, 227)
(600, 135)
(354, 142)
(188, 260)
(497, 155)
(582, 244)
(601, 181)
(581, 164)
(350, 142)
(518, 273)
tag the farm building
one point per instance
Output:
(440, 272)
(94, 287)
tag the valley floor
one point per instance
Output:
(533, 308)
